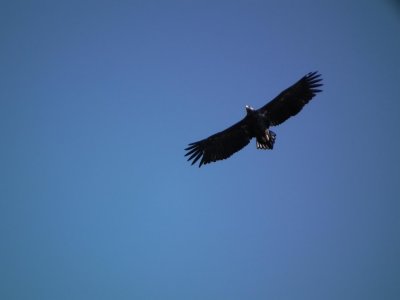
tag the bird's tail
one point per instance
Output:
(268, 140)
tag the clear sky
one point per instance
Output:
(98, 99)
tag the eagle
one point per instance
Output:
(256, 123)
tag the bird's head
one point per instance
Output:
(249, 109)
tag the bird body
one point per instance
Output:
(259, 123)
(256, 123)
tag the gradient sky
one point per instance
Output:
(99, 99)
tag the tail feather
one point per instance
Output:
(267, 141)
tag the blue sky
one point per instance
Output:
(99, 99)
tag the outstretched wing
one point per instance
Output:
(220, 145)
(290, 102)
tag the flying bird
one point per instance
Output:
(256, 123)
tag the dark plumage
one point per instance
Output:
(256, 123)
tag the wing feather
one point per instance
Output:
(220, 145)
(291, 101)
